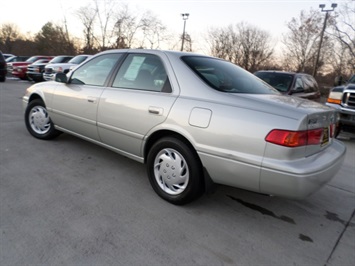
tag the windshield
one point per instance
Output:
(352, 79)
(41, 61)
(227, 77)
(32, 59)
(78, 59)
(59, 59)
(10, 59)
(280, 81)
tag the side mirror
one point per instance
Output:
(61, 77)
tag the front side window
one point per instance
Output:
(96, 71)
(299, 84)
(142, 72)
(307, 85)
(311, 84)
(226, 77)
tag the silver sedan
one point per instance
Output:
(193, 120)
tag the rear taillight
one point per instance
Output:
(332, 130)
(291, 139)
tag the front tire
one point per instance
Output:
(175, 171)
(38, 122)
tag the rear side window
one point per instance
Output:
(226, 77)
(142, 72)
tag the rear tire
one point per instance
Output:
(175, 171)
(38, 122)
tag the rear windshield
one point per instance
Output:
(227, 77)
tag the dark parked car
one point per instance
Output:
(35, 71)
(6, 56)
(16, 58)
(342, 98)
(290, 83)
(3, 68)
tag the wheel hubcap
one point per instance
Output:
(39, 120)
(171, 171)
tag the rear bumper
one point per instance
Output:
(301, 178)
(294, 179)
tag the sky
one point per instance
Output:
(269, 15)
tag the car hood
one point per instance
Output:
(349, 86)
(20, 63)
(63, 65)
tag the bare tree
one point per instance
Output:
(344, 34)
(9, 33)
(302, 41)
(154, 31)
(255, 46)
(125, 27)
(244, 44)
(88, 15)
(224, 43)
(105, 12)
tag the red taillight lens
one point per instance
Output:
(291, 139)
(287, 138)
(315, 136)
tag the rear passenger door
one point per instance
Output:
(139, 99)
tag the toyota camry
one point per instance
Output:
(194, 120)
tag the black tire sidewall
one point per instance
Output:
(52, 133)
(195, 186)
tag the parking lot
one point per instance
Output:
(70, 202)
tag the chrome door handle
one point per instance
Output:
(92, 99)
(155, 110)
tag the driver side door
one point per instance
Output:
(75, 103)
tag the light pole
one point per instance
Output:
(185, 16)
(322, 6)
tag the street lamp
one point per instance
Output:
(185, 16)
(322, 6)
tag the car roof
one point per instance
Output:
(282, 72)
(153, 51)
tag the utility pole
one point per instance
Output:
(185, 16)
(322, 6)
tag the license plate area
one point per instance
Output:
(325, 138)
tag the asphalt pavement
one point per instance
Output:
(70, 202)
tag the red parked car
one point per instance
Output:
(19, 69)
